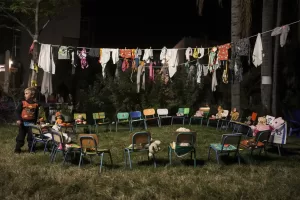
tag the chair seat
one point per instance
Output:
(92, 151)
(218, 147)
(137, 147)
(251, 144)
(101, 123)
(165, 116)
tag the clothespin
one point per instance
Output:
(150, 47)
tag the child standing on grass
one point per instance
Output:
(27, 112)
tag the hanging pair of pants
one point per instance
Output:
(20, 140)
(140, 72)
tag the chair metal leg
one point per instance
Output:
(170, 155)
(116, 126)
(145, 124)
(239, 159)
(111, 160)
(172, 121)
(158, 123)
(154, 161)
(125, 158)
(208, 156)
(80, 160)
(190, 121)
(129, 158)
(195, 160)
(101, 162)
(207, 123)
(217, 156)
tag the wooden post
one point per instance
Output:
(6, 74)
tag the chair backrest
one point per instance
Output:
(205, 111)
(162, 112)
(253, 116)
(185, 137)
(36, 130)
(88, 142)
(180, 110)
(135, 115)
(263, 136)
(140, 139)
(57, 137)
(231, 139)
(121, 116)
(99, 115)
(186, 111)
(77, 114)
(149, 112)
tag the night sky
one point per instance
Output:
(155, 24)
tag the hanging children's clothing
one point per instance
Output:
(104, 58)
(283, 32)
(46, 61)
(170, 56)
(223, 51)
(257, 56)
(140, 72)
(63, 53)
(115, 55)
(214, 81)
(188, 53)
(82, 56)
(148, 55)
(151, 72)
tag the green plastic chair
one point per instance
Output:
(184, 144)
(122, 118)
(185, 113)
(100, 119)
(229, 144)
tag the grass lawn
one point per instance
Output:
(31, 176)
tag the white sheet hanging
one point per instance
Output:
(46, 61)
(214, 81)
(172, 60)
(257, 56)
(148, 55)
(188, 53)
(115, 55)
(46, 87)
(105, 57)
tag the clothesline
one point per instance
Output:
(295, 22)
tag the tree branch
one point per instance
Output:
(8, 15)
(9, 27)
(44, 26)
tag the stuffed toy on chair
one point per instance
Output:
(234, 114)
(154, 147)
(261, 126)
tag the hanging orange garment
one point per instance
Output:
(126, 53)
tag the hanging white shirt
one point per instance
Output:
(148, 55)
(115, 55)
(172, 60)
(188, 53)
(46, 61)
(163, 54)
(257, 56)
(105, 57)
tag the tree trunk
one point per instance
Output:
(266, 68)
(34, 74)
(235, 35)
(276, 61)
(7, 72)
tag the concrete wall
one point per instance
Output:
(63, 30)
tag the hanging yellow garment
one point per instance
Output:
(196, 53)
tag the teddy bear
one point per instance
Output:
(234, 114)
(261, 126)
(154, 147)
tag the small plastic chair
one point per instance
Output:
(185, 113)
(122, 118)
(38, 137)
(100, 119)
(136, 116)
(184, 144)
(140, 142)
(149, 114)
(162, 113)
(89, 147)
(229, 144)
